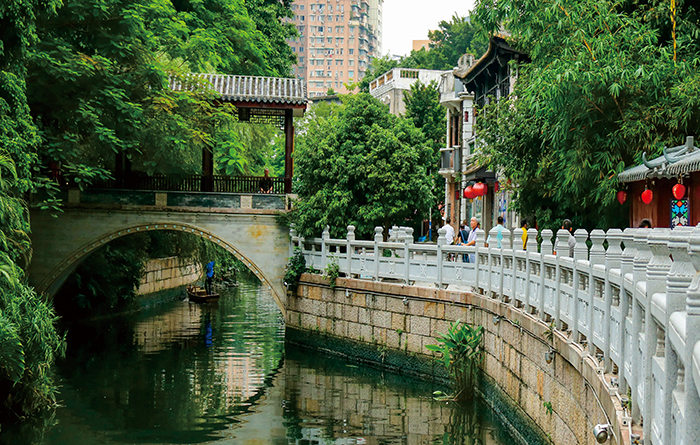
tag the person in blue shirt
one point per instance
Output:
(210, 277)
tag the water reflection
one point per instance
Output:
(185, 373)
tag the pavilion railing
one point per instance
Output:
(192, 183)
(631, 300)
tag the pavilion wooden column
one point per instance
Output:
(288, 149)
(207, 170)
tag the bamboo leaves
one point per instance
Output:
(461, 350)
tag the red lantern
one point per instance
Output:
(647, 196)
(621, 196)
(469, 192)
(496, 187)
(480, 189)
(678, 191)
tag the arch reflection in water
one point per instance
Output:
(215, 374)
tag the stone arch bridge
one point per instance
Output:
(244, 225)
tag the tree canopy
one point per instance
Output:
(607, 82)
(360, 166)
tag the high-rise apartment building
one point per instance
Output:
(337, 40)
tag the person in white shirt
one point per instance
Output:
(471, 241)
(450, 234)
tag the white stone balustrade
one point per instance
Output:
(634, 305)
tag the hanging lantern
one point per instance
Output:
(621, 196)
(480, 189)
(496, 187)
(647, 196)
(469, 192)
(678, 191)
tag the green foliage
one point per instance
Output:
(332, 270)
(11, 352)
(360, 165)
(461, 349)
(602, 88)
(548, 407)
(295, 267)
(244, 149)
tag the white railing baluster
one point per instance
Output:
(637, 308)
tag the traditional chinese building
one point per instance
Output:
(657, 181)
(464, 93)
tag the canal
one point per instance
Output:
(185, 373)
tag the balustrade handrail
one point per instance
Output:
(634, 306)
(190, 183)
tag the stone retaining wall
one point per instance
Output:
(167, 273)
(565, 398)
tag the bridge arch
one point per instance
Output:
(68, 255)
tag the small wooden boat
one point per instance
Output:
(198, 294)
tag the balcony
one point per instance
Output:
(450, 161)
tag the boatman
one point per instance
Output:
(210, 277)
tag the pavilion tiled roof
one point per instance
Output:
(254, 89)
(675, 161)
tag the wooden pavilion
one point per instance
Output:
(258, 100)
(677, 165)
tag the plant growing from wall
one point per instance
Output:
(462, 353)
(332, 270)
(295, 267)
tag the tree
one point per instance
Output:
(29, 342)
(362, 166)
(607, 82)
(424, 109)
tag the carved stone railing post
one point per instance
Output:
(494, 252)
(479, 246)
(294, 240)
(562, 243)
(597, 254)
(505, 245)
(691, 421)
(581, 249)
(378, 238)
(678, 281)
(349, 249)
(639, 275)
(408, 240)
(613, 257)
(441, 241)
(657, 271)
(546, 246)
(517, 239)
(531, 246)
(532, 240)
(325, 236)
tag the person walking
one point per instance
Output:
(499, 234)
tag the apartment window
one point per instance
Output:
(351, 74)
(312, 61)
(342, 8)
(301, 7)
(351, 62)
(329, 29)
(329, 18)
(301, 49)
(341, 74)
(301, 59)
(313, 7)
(311, 18)
(330, 8)
(351, 51)
(329, 40)
(319, 40)
(302, 18)
(329, 62)
(351, 41)
(341, 49)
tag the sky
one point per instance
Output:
(409, 20)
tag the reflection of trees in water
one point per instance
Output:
(188, 370)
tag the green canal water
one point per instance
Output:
(185, 373)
